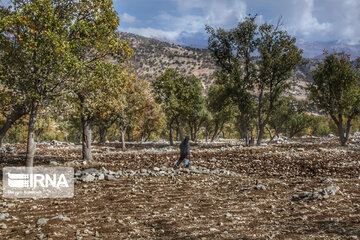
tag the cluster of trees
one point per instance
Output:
(253, 84)
(67, 55)
(336, 91)
(255, 64)
(62, 64)
(183, 102)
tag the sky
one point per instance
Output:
(315, 23)
(183, 21)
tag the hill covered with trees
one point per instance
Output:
(152, 57)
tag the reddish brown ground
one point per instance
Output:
(199, 206)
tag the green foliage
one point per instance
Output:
(100, 91)
(181, 98)
(142, 115)
(283, 110)
(218, 114)
(35, 51)
(336, 91)
(278, 57)
(18, 133)
(234, 52)
(320, 126)
(290, 117)
(336, 87)
(166, 90)
(297, 125)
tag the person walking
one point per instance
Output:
(184, 152)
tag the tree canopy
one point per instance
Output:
(336, 91)
(247, 78)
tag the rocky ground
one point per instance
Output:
(302, 189)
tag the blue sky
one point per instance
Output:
(183, 21)
(317, 24)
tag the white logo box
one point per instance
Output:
(38, 182)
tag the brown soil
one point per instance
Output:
(194, 206)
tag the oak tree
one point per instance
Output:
(336, 91)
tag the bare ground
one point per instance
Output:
(197, 206)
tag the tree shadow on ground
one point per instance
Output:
(167, 230)
(343, 230)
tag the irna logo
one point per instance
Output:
(19, 180)
(38, 182)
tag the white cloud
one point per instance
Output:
(212, 12)
(159, 34)
(346, 20)
(125, 17)
(320, 20)
(216, 13)
(304, 22)
(191, 23)
(308, 20)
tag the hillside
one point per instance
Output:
(152, 57)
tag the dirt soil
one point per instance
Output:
(197, 206)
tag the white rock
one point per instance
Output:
(88, 178)
(259, 187)
(4, 216)
(61, 217)
(42, 221)
(110, 177)
(331, 190)
(228, 214)
(101, 176)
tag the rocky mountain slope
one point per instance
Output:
(152, 57)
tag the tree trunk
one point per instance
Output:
(341, 133)
(86, 139)
(272, 136)
(181, 131)
(191, 132)
(37, 135)
(3, 132)
(244, 129)
(103, 131)
(339, 122)
(123, 144)
(148, 137)
(142, 136)
(251, 141)
(207, 133)
(348, 129)
(171, 134)
(31, 146)
(261, 133)
(215, 133)
(196, 130)
(270, 133)
(128, 134)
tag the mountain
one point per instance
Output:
(152, 57)
(315, 49)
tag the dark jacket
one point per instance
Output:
(185, 147)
